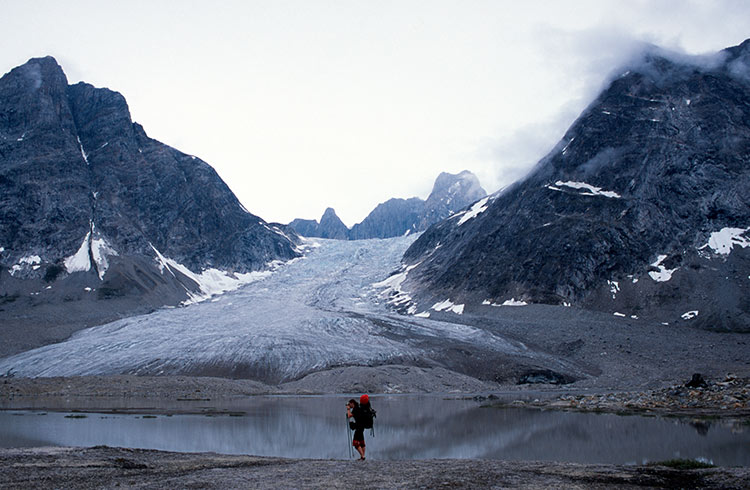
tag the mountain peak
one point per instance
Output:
(626, 212)
(40, 71)
(329, 213)
(88, 200)
(396, 217)
(332, 227)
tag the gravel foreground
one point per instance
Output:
(105, 467)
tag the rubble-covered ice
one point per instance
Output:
(308, 315)
(513, 302)
(448, 305)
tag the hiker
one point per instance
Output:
(357, 411)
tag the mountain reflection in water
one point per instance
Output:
(407, 427)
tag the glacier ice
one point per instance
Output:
(310, 314)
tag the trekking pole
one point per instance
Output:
(349, 437)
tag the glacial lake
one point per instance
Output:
(407, 427)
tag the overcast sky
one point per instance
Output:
(304, 104)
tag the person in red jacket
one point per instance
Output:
(356, 410)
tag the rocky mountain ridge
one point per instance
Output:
(398, 217)
(642, 209)
(96, 215)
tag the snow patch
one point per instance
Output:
(689, 315)
(722, 241)
(618, 314)
(24, 262)
(448, 305)
(663, 274)
(478, 207)
(614, 288)
(80, 261)
(590, 189)
(508, 302)
(424, 314)
(83, 153)
(96, 248)
(392, 285)
(565, 149)
(211, 281)
(100, 249)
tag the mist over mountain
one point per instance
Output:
(100, 218)
(397, 217)
(642, 210)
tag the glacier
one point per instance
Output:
(314, 313)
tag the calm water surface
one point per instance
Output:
(407, 427)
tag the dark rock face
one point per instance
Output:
(306, 227)
(450, 194)
(643, 209)
(398, 217)
(394, 217)
(330, 226)
(87, 199)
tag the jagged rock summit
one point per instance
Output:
(330, 226)
(642, 210)
(398, 217)
(92, 209)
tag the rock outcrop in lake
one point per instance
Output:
(642, 209)
(97, 220)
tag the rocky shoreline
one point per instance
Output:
(106, 467)
(729, 397)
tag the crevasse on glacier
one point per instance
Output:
(310, 314)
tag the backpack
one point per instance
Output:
(368, 414)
